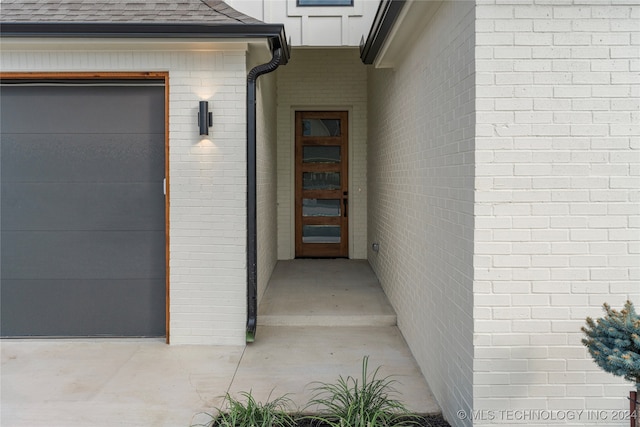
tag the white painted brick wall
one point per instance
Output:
(323, 79)
(556, 201)
(420, 173)
(207, 178)
(266, 129)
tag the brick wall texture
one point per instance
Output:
(266, 178)
(503, 190)
(556, 200)
(420, 168)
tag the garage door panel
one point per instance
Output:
(83, 206)
(82, 254)
(57, 108)
(79, 158)
(83, 209)
(37, 308)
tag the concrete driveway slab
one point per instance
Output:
(70, 383)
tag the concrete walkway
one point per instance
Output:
(325, 292)
(147, 383)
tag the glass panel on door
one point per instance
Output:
(321, 181)
(321, 127)
(321, 234)
(321, 207)
(321, 154)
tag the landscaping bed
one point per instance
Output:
(432, 420)
(435, 420)
(349, 402)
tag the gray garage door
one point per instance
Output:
(82, 208)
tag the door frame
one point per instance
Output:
(292, 169)
(142, 75)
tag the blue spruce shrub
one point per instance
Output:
(614, 342)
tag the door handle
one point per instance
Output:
(345, 202)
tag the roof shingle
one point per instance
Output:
(129, 11)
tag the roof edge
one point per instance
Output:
(274, 32)
(386, 15)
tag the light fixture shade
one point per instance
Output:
(205, 118)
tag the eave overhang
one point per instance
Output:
(385, 18)
(396, 26)
(274, 33)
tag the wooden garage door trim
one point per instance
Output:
(155, 75)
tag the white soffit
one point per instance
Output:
(126, 44)
(413, 18)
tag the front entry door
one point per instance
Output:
(321, 184)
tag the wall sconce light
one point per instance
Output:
(205, 118)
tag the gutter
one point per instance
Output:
(280, 51)
(252, 235)
(386, 15)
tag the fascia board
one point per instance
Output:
(275, 33)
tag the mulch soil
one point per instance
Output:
(433, 421)
(420, 421)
